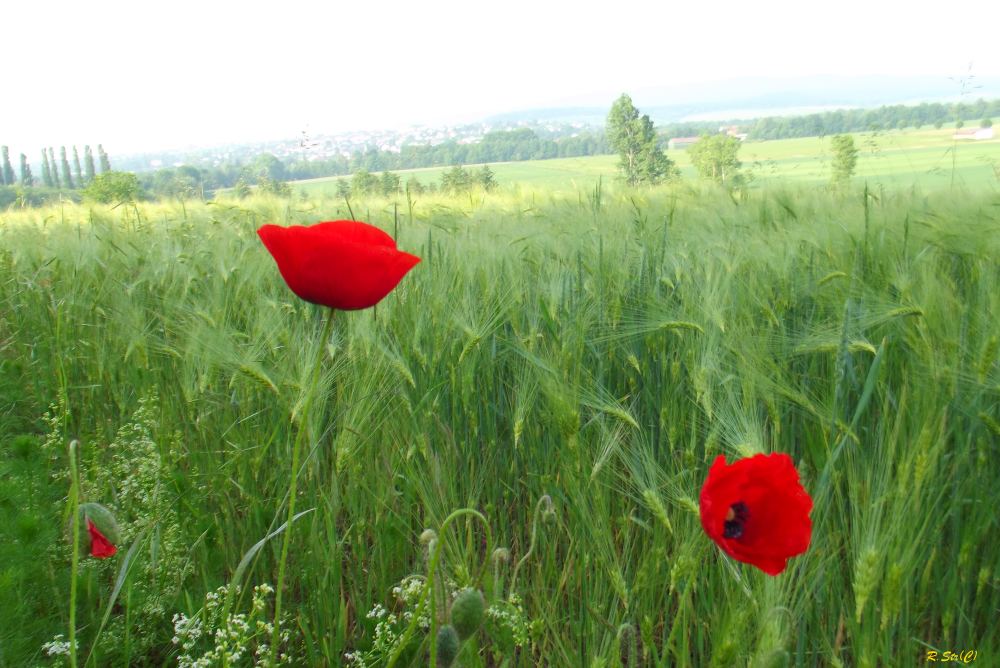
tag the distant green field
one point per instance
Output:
(926, 157)
(929, 158)
(562, 173)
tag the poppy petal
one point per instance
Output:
(773, 509)
(343, 264)
(721, 490)
(100, 546)
(353, 231)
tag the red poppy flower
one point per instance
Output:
(100, 546)
(757, 511)
(343, 264)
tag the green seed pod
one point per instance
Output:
(102, 519)
(467, 612)
(447, 646)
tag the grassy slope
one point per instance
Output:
(895, 158)
(538, 349)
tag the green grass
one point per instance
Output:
(600, 347)
(891, 158)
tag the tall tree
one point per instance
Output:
(77, 170)
(714, 156)
(622, 131)
(67, 178)
(634, 138)
(55, 168)
(88, 164)
(845, 158)
(27, 180)
(8, 171)
(103, 157)
(654, 165)
(46, 170)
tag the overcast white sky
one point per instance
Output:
(146, 75)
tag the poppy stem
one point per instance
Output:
(292, 485)
(427, 595)
(74, 504)
(544, 506)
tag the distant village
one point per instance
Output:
(307, 147)
(311, 148)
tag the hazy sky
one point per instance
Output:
(146, 75)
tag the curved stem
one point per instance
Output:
(292, 486)
(546, 501)
(497, 586)
(633, 647)
(429, 586)
(74, 503)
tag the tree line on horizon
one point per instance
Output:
(525, 144)
(895, 117)
(269, 172)
(57, 175)
(79, 179)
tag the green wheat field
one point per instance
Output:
(565, 362)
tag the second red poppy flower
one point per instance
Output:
(757, 511)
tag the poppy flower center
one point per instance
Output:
(735, 519)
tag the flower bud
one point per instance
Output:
(467, 612)
(102, 519)
(447, 646)
(98, 530)
(548, 508)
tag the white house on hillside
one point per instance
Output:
(681, 142)
(974, 133)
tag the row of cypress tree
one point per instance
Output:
(55, 174)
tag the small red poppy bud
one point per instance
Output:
(99, 530)
(343, 264)
(100, 547)
(757, 511)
